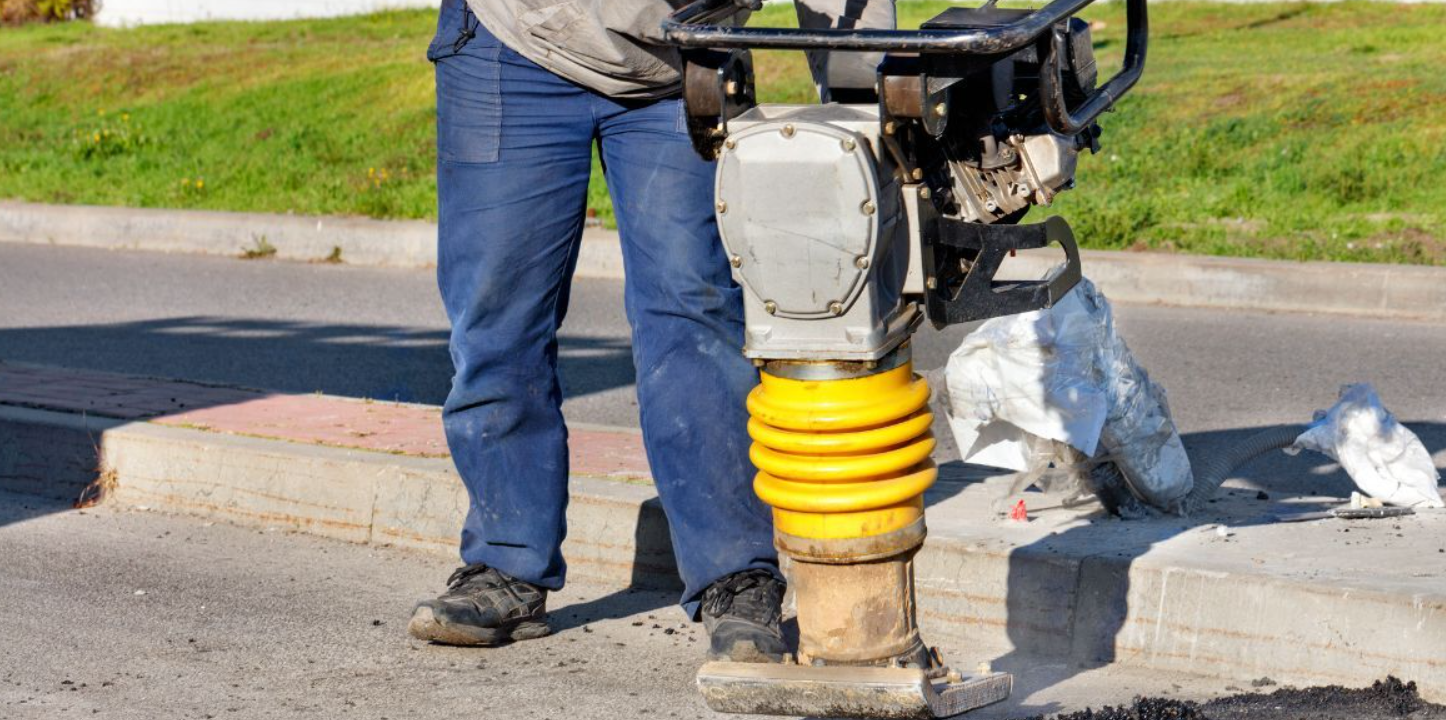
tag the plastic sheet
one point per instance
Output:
(1384, 458)
(1026, 389)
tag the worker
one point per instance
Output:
(525, 89)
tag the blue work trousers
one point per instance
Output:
(514, 146)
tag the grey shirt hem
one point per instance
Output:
(615, 47)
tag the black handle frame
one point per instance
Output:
(978, 296)
(695, 26)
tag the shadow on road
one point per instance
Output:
(389, 363)
(18, 508)
(1076, 621)
(654, 584)
(404, 364)
(56, 467)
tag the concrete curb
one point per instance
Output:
(1361, 289)
(1394, 291)
(1148, 595)
(617, 532)
(354, 241)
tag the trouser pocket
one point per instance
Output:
(469, 107)
(469, 87)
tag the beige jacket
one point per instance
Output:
(616, 46)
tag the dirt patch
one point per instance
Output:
(1230, 100)
(1414, 244)
(1388, 699)
(1406, 217)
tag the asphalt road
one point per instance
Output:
(125, 614)
(379, 333)
(119, 613)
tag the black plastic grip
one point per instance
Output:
(1072, 122)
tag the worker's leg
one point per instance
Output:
(514, 147)
(687, 320)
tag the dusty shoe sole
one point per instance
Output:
(425, 626)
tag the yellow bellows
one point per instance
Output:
(842, 458)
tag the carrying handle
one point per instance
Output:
(695, 25)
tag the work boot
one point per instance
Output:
(741, 613)
(482, 606)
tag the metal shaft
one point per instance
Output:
(858, 613)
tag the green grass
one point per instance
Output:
(1273, 130)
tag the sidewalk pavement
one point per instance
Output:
(1359, 289)
(398, 428)
(1303, 603)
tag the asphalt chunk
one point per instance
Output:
(1144, 708)
(1388, 699)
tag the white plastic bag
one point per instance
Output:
(1063, 374)
(1384, 458)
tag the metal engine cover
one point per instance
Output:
(813, 223)
(799, 205)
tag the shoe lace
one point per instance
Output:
(754, 594)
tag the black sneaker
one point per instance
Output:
(482, 607)
(742, 614)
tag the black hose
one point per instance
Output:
(1212, 472)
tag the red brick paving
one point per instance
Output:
(314, 419)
